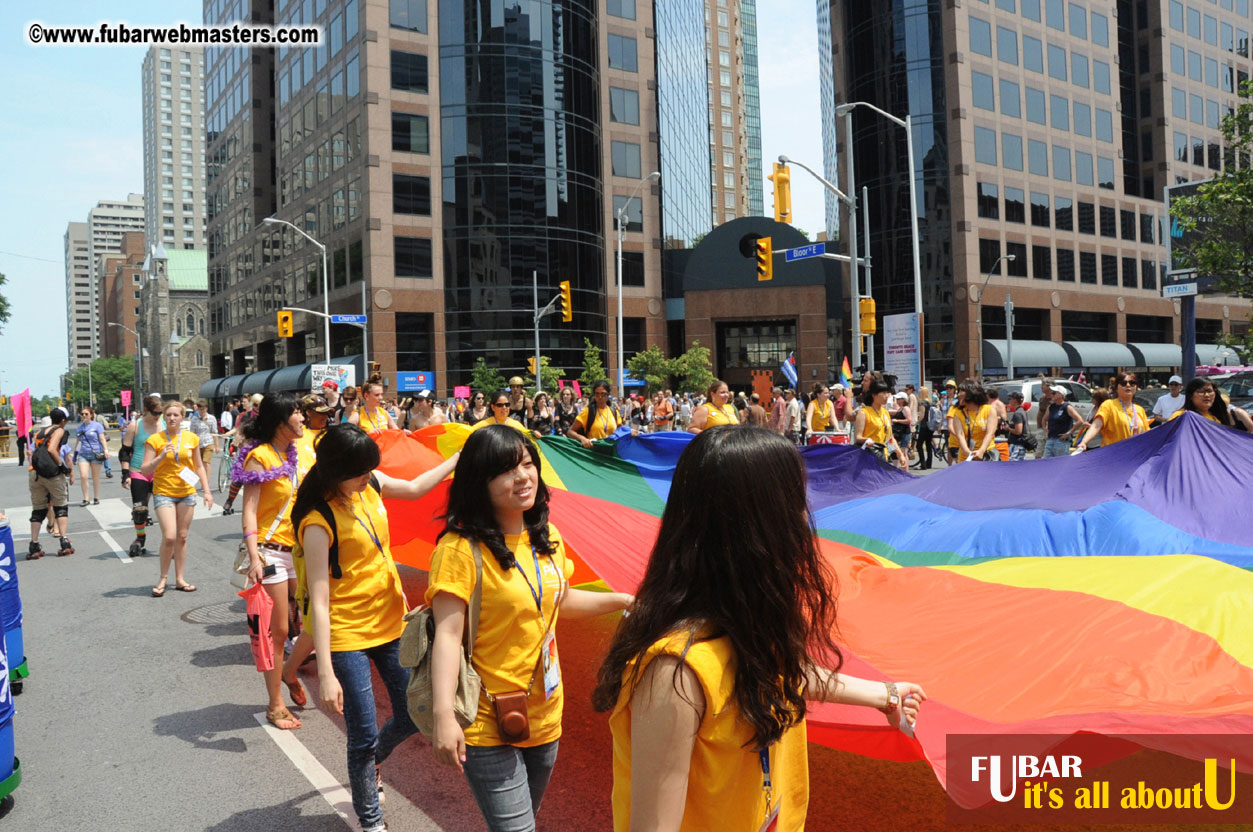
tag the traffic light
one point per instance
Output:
(284, 324)
(567, 302)
(782, 179)
(765, 259)
(530, 366)
(868, 326)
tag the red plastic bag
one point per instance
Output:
(260, 608)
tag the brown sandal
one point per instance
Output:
(282, 714)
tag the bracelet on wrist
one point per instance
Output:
(250, 534)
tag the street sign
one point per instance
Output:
(348, 319)
(413, 382)
(1180, 289)
(805, 252)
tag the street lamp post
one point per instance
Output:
(139, 351)
(326, 291)
(621, 230)
(994, 270)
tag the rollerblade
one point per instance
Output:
(66, 548)
(136, 549)
(35, 552)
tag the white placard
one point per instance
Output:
(902, 349)
(345, 375)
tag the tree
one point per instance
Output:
(652, 367)
(484, 378)
(694, 369)
(593, 367)
(4, 305)
(1225, 244)
(549, 376)
(108, 377)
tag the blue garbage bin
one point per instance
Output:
(11, 610)
(10, 769)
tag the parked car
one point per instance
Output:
(1077, 394)
(1238, 389)
(1147, 398)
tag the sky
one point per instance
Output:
(71, 136)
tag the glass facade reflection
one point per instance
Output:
(752, 105)
(521, 160)
(682, 117)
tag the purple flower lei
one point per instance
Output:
(239, 475)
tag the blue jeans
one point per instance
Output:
(369, 745)
(1056, 447)
(509, 782)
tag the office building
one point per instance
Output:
(441, 181)
(1046, 131)
(174, 146)
(734, 108)
(107, 225)
(78, 294)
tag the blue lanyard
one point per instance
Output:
(767, 785)
(370, 530)
(539, 597)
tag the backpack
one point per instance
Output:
(935, 419)
(298, 552)
(42, 460)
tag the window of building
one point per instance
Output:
(1016, 267)
(989, 256)
(1105, 173)
(1105, 130)
(1078, 21)
(1011, 104)
(1100, 29)
(634, 214)
(633, 268)
(1127, 224)
(1063, 213)
(1032, 54)
(980, 36)
(1079, 70)
(1015, 206)
(1031, 10)
(1194, 23)
(626, 9)
(410, 133)
(1178, 103)
(624, 106)
(413, 257)
(1146, 228)
(411, 194)
(1066, 265)
(724, 57)
(1148, 280)
(1040, 213)
(724, 19)
(1087, 267)
(981, 90)
(626, 159)
(985, 146)
(1007, 45)
(1109, 226)
(989, 203)
(409, 71)
(1211, 30)
(1011, 151)
(1130, 275)
(1059, 112)
(1057, 62)
(1055, 14)
(1100, 77)
(1178, 60)
(1042, 262)
(622, 53)
(1087, 218)
(1176, 15)
(1061, 163)
(1083, 168)
(415, 339)
(406, 14)
(1035, 106)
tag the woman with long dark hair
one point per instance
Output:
(270, 465)
(976, 423)
(872, 429)
(498, 515)
(731, 635)
(597, 420)
(356, 602)
(1202, 398)
(1118, 417)
(565, 412)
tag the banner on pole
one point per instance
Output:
(902, 348)
(126, 398)
(461, 391)
(344, 375)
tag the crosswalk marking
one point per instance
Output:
(117, 550)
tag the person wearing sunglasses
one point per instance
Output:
(477, 410)
(1203, 399)
(500, 414)
(1119, 417)
(597, 421)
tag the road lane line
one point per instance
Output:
(117, 550)
(339, 798)
(112, 513)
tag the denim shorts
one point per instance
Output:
(91, 457)
(162, 501)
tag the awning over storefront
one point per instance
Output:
(295, 378)
(1026, 354)
(232, 385)
(1216, 356)
(1097, 354)
(258, 382)
(210, 389)
(1157, 355)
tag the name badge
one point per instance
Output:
(771, 823)
(552, 669)
(189, 476)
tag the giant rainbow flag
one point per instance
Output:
(1107, 593)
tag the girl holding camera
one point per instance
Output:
(498, 508)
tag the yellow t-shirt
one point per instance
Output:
(878, 425)
(507, 644)
(724, 786)
(954, 412)
(491, 420)
(974, 425)
(307, 454)
(604, 426)
(1210, 415)
(1118, 423)
(823, 416)
(367, 603)
(276, 493)
(725, 415)
(372, 424)
(165, 479)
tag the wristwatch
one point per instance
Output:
(894, 698)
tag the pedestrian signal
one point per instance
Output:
(284, 324)
(765, 259)
(567, 303)
(530, 365)
(867, 316)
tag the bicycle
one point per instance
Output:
(224, 467)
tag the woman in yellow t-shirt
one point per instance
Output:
(717, 409)
(372, 417)
(500, 414)
(356, 602)
(705, 695)
(270, 467)
(820, 415)
(1119, 417)
(872, 429)
(1203, 399)
(597, 420)
(172, 459)
(976, 423)
(498, 504)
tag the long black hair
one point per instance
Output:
(592, 407)
(877, 386)
(344, 451)
(975, 393)
(1218, 408)
(489, 452)
(275, 410)
(745, 566)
